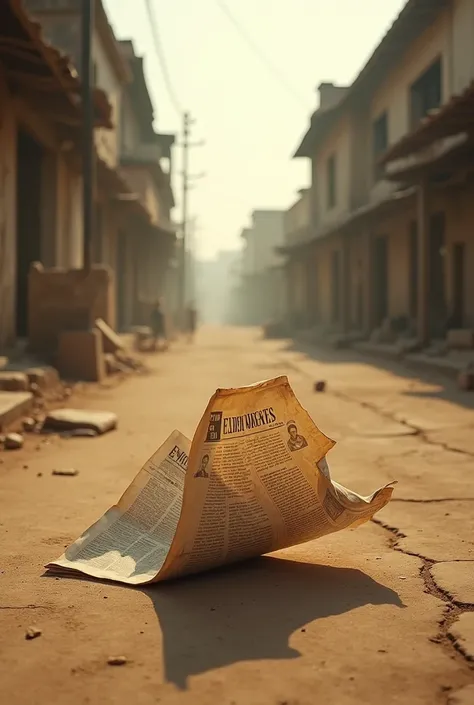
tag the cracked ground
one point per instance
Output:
(382, 614)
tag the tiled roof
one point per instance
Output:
(40, 59)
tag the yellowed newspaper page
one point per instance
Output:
(131, 541)
(258, 481)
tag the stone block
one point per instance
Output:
(460, 339)
(14, 405)
(61, 300)
(81, 355)
(14, 382)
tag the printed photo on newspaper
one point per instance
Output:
(253, 480)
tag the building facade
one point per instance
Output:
(263, 291)
(388, 229)
(40, 180)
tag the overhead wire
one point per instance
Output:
(162, 58)
(252, 44)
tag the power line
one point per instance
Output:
(277, 74)
(162, 58)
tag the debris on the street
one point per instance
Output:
(320, 386)
(116, 660)
(111, 342)
(13, 441)
(32, 633)
(74, 419)
(288, 445)
(68, 472)
(29, 425)
(36, 390)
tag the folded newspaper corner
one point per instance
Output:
(253, 480)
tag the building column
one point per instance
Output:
(423, 218)
(368, 275)
(345, 285)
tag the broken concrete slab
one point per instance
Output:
(111, 342)
(14, 405)
(462, 633)
(456, 579)
(72, 419)
(13, 382)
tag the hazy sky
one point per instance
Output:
(250, 121)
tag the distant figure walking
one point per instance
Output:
(158, 325)
(191, 322)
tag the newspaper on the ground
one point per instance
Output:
(254, 480)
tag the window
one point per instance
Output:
(425, 93)
(331, 181)
(379, 143)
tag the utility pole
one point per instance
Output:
(88, 147)
(184, 220)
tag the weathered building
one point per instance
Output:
(263, 285)
(147, 240)
(40, 180)
(61, 23)
(391, 218)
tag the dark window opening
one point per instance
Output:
(331, 181)
(379, 143)
(425, 93)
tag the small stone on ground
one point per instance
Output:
(116, 660)
(68, 472)
(13, 441)
(32, 633)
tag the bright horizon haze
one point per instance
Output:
(250, 121)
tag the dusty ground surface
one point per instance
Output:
(381, 614)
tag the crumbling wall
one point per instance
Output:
(60, 299)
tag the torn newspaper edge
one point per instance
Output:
(254, 480)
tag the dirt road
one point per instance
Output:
(377, 615)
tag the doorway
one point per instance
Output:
(437, 277)
(28, 240)
(380, 282)
(459, 284)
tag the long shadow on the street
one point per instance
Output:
(250, 611)
(445, 388)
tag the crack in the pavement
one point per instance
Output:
(415, 430)
(453, 608)
(24, 607)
